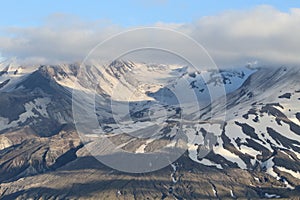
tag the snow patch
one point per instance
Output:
(293, 173)
(270, 196)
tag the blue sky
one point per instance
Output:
(126, 13)
(233, 32)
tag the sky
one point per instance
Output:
(127, 12)
(233, 32)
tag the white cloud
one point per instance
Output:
(263, 34)
(232, 38)
(62, 38)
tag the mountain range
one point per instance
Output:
(241, 128)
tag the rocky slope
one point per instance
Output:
(255, 153)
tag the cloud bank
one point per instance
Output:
(232, 38)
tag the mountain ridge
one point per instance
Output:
(257, 139)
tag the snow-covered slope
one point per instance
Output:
(129, 81)
(150, 90)
(151, 93)
(11, 73)
(33, 99)
(256, 112)
(262, 130)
